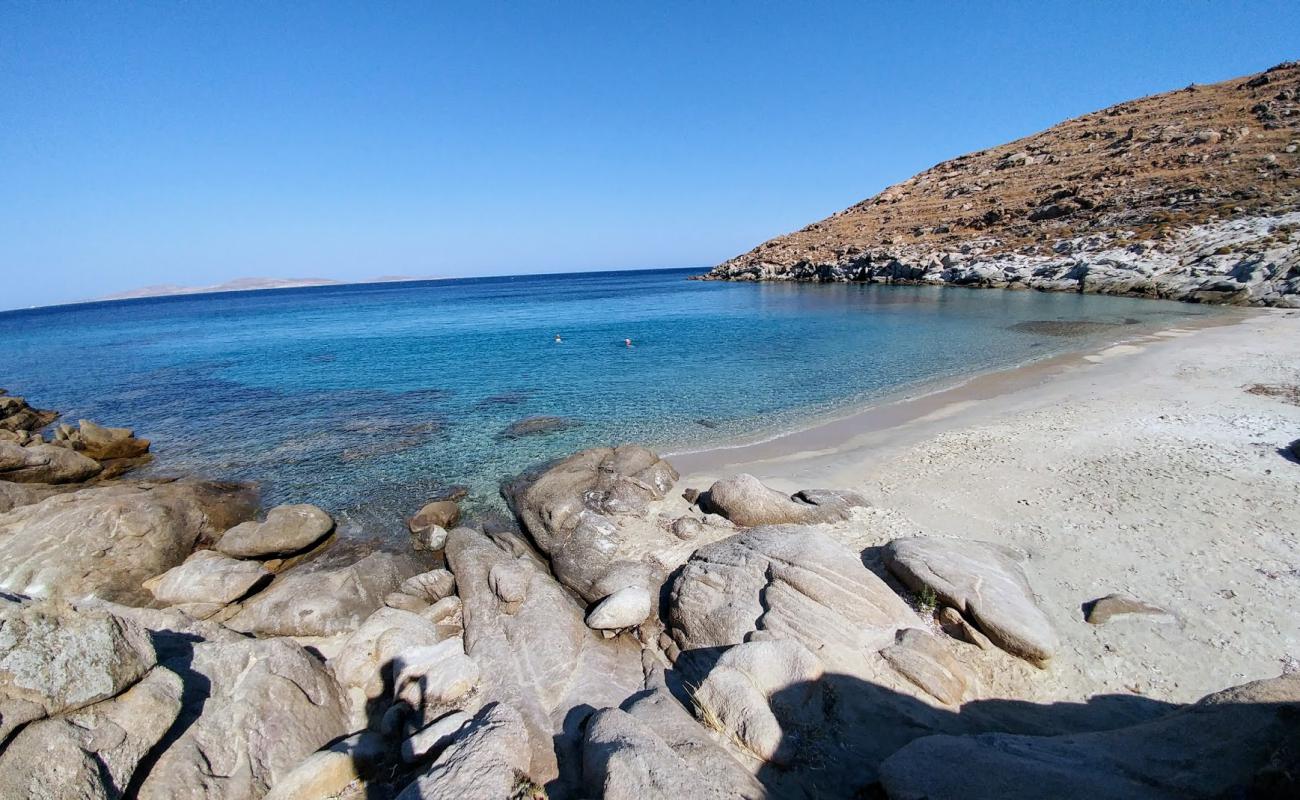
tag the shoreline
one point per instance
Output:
(902, 409)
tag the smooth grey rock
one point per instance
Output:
(107, 540)
(982, 582)
(431, 586)
(435, 736)
(432, 680)
(207, 577)
(1240, 742)
(328, 772)
(625, 608)
(268, 706)
(763, 694)
(623, 759)
(322, 598)
(586, 514)
(364, 664)
(923, 660)
(44, 463)
(285, 531)
(788, 581)
(487, 760)
(13, 495)
(541, 660)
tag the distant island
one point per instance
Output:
(252, 284)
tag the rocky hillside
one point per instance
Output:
(1192, 195)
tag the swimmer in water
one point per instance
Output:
(627, 342)
(558, 339)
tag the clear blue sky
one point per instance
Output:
(193, 143)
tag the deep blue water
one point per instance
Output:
(364, 399)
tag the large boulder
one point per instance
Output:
(791, 582)
(44, 463)
(982, 581)
(324, 597)
(107, 540)
(287, 530)
(1241, 742)
(588, 514)
(535, 653)
(263, 707)
(487, 760)
(747, 502)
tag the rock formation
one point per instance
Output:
(1189, 195)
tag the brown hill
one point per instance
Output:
(1141, 176)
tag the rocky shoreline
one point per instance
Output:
(624, 636)
(1249, 261)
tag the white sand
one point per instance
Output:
(1144, 468)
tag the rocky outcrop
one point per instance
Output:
(536, 654)
(590, 515)
(44, 463)
(286, 531)
(1188, 195)
(107, 540)
(16, 415)
(1241, 742)
(99, 442)
(788, 582)
(983, 582)
(265, 706)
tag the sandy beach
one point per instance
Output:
(1145, 468)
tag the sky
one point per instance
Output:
(197, 142)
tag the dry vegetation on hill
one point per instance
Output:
(1138, 172)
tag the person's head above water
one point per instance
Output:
(627, 342)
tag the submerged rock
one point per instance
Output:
(536, 426)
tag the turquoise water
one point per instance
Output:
(364, 399)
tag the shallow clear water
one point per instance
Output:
(364, 399)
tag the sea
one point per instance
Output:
(368, 399)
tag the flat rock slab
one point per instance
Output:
(748, 502)
(981, 581)
(107, 540)
(287, 530)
